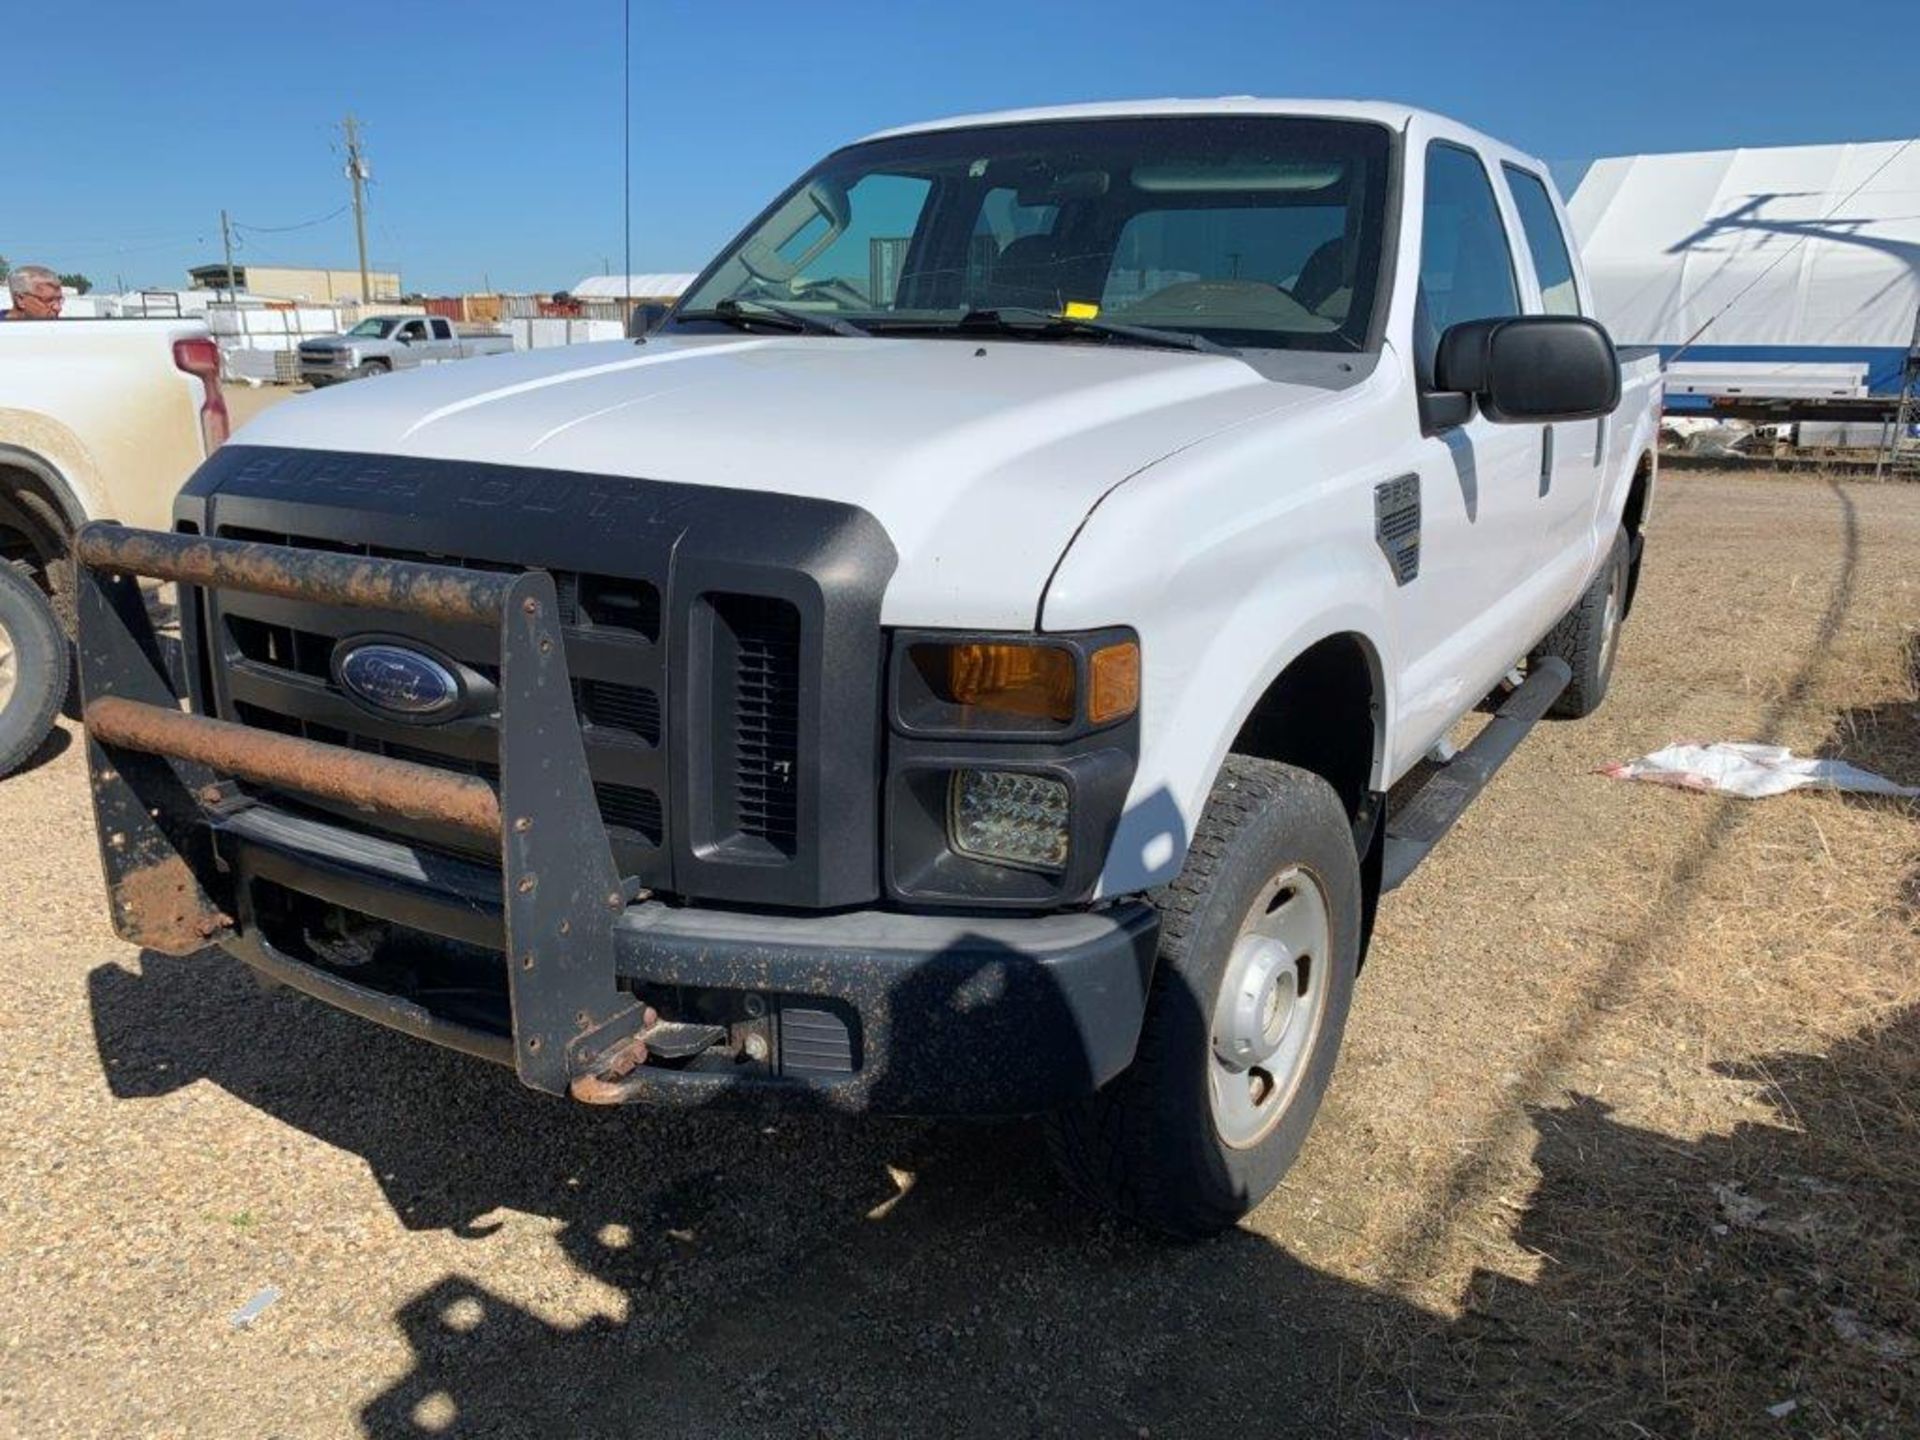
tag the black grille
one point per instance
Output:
(625, 807)
(631, 710)
(606, 619)
(765, 638)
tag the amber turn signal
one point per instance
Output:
(1113, 689)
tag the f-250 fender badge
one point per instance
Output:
(397, 680)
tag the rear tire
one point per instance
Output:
(1205, 1122)
(1588, 636)
(34, 666)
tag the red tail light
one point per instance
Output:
(201, 359)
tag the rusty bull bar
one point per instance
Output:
(157, 776)
(368, 783)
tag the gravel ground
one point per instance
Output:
(1604, 1034)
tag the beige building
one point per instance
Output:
(291, 282)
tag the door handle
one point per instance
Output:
(1546, 458)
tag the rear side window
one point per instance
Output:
(442, 330)
(1466, 266)
(1546, 242)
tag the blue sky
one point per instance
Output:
(494, 127)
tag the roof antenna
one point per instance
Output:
(626, 163)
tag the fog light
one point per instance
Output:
(1009, 818)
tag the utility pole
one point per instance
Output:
(226, 239)
(357, 172)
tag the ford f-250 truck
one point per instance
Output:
(382, 344)
(98, 419)
(958, 664)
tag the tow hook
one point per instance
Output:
(612, 1080)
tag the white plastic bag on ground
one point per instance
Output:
(1754, 771)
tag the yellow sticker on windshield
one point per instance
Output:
(1080, 310)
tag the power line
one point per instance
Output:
(334, 214)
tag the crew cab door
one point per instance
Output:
(1571, 472)
(412, 346)
(1469, 614)
(442, 343)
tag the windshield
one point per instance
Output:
(1252, 231)
(376, 328)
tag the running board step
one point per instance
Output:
(1416, 827)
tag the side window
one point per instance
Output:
(414, 330)
(1546, 242)
(1466, 266)
(442, 330)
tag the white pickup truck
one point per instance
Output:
(381, 344)
(98, 418)
(958, 664)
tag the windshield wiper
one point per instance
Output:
(1009, 318)
(731, 312)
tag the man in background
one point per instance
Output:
(36, 294)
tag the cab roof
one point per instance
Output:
(1384, 112)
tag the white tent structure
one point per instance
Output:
(1806, 255)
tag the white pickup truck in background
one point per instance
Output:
(98, 419)
(381, 344)
(973, 658)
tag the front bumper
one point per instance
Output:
(334, 365)
(858, 1011)
(551, 962)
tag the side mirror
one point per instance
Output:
(645, 319)
(1531, 369)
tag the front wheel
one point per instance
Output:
(33, 668)
(1588, 636)
(1259, 944)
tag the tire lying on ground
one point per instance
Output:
(33, 668)
(1259, 944)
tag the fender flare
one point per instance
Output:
(16, 457)
(1151, 843)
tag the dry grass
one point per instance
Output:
(1721, 1112)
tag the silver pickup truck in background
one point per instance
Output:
(384, 343)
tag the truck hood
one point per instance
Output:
(980, 458)
(328, 342)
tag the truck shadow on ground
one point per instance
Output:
(806, 1275)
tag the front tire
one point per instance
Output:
(1259, 945)
(1588, 636)
(34, 666)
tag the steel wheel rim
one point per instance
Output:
(1610, 620)
(9, 668)
(1269, 1011)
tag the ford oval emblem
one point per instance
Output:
(397, 680)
